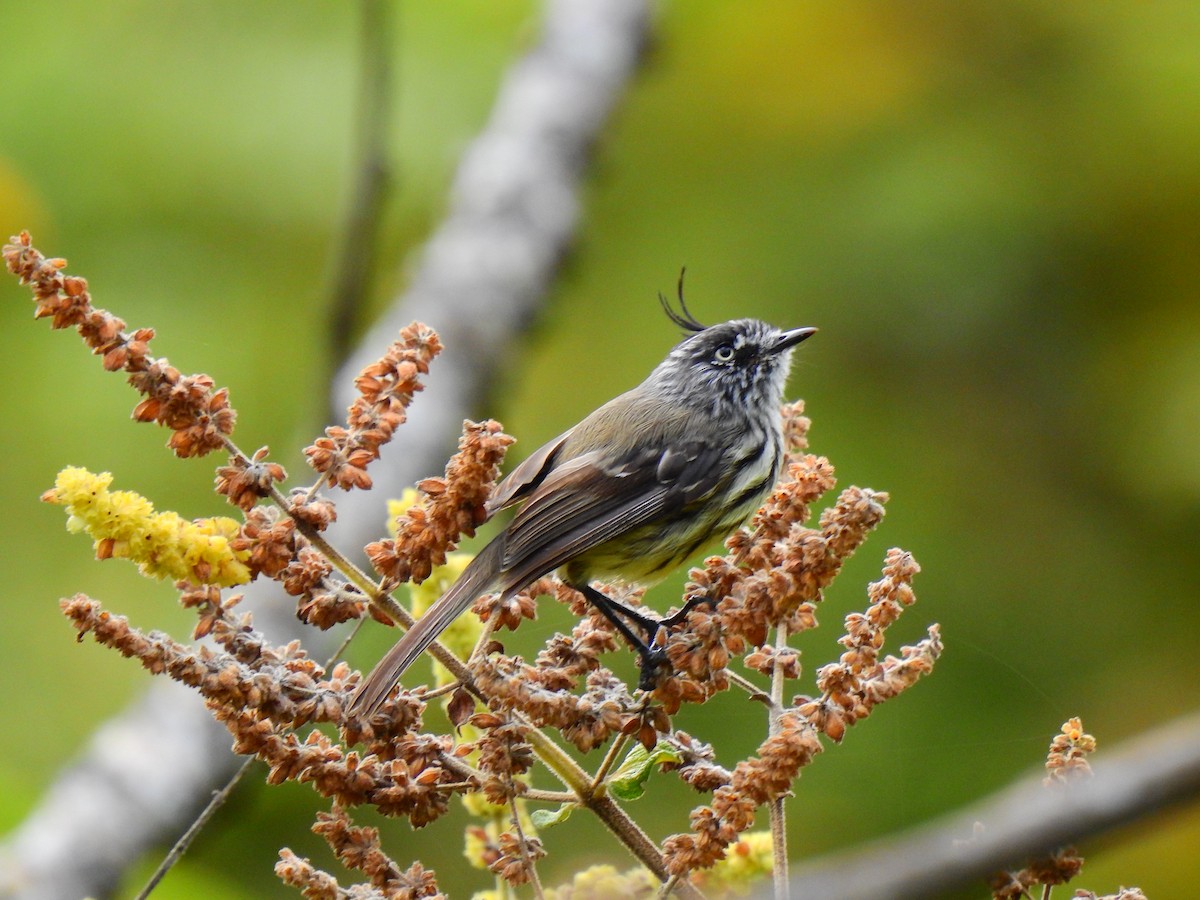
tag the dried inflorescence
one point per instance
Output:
(313, 883)
(357, 848)
(246, 481)
(852, 687)
(412, 785)
(310, 509)
(587, 720)
(1069, 752)
(504, 754)
(323, 599)
(282, 683)
(386, 388)
(860, 680)
(1066, 762)
(508, 612)
(753, 783)
(515, 858)
(697, 765)
(199, 416)
(451, 507)
(269, 540)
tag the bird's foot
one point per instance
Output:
(653, 658)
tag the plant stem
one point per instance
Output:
(534, 880)
(609, 758)
(755, 692)
(185, 840)
(777, 814)
(537, 795)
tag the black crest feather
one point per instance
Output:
(683, 317)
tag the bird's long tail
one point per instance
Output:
(479, 575)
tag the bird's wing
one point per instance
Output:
(586, 500)
(527, 476)
(572, 507)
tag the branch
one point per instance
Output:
(481, 277)
(354, 263)
(1144, 776)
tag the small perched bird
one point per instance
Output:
(635, 488)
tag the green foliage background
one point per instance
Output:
(991, 211)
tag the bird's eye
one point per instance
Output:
(724, 354)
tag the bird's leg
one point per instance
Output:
(613, 611)
(652, 656)
(648, 625)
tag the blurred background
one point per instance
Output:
(992, 212)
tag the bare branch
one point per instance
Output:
(353, 267)
(1143, 777)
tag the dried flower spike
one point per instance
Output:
(386, 388)
(452, 506)
(200, 417)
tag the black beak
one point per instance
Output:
(790, 339)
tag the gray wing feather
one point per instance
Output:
(527, 476)
(582, 504)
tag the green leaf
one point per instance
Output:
(545, 818)
(628, 782)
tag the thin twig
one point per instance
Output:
(322, 477)
(434, 693)
(341, 648)
(540, 796)
(485, 635)
(779, 871)
(185, 840)
(534, 880)
(455, 786)
(610, 758)
(352, 266)
(752, 689)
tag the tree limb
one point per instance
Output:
(1142, 777)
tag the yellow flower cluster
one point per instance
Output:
(164, 545)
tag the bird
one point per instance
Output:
(634, 489)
